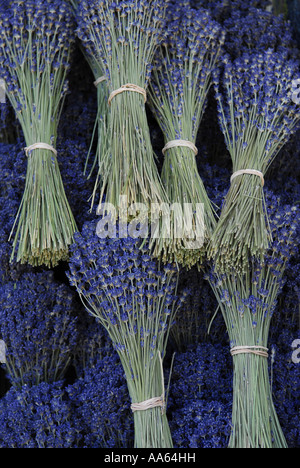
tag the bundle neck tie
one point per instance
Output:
(148, 404)
(99, 80)
(248, 171)
(257, 350)
(183, 143)
(36, 146)
(128, 87)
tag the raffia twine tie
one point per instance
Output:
(184, 143)
(99, 80)
(248, 171)
(35, 146)
(148, 404)
(257, 350)
(128, 87)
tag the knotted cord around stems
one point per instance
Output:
(148, 404)
(35, 146)
(248, 171)
(257, 350)
(99, 80)
(128, 87)
(184, 143)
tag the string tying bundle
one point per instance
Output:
(257, 350)
(149, 404)
(128, 87)
(248, 171)
(99, 80)
(183, 143)
(35, 146)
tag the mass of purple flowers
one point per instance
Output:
(62, 384)
(38, 326)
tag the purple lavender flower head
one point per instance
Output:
(47, 25)
(117, 277)
(254, 93)
(258, 30)
(38, 416)
(38, 327)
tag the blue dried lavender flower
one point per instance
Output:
(100, 402)
(38, 417)
(201, 410)
(113, 275)
(183, 64)
(259, 84)
(38, 327)
(101, 26)
(258, 30)
(223, 9)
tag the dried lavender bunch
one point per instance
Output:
(39, 328)
(101, 123)
(100, 402)
(257, 116)
(41, 416)
(122, 37)
(35, 43)
(135, 301)
(247, 303)
(181, 80)
(260, 30)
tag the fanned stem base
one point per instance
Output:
(45, 223)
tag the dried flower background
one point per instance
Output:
(72, 392)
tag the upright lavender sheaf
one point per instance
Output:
(180, 83)
(36, 38)
(135, 300)
(101, 123)
(248, 302)
(257, 115)
(122, 37)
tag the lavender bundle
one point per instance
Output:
(259, 30)
(35, 43)
(101, 123)
(135, 301)
(257, 116)
(38, 326)
(122, 37)
(248, 303)
(179, 87)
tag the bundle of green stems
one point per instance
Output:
(36, 43)
(101, 122)
(248, 302)
(257, 116)
(122, 37)
(180, 84)
(135, 299)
